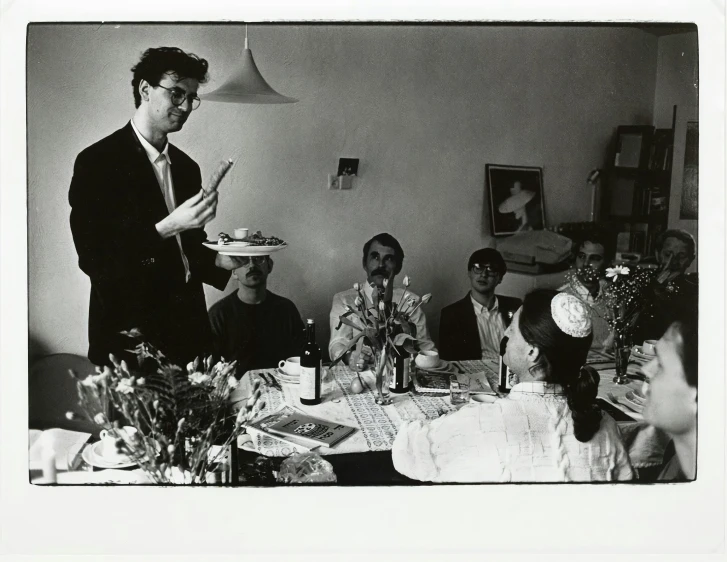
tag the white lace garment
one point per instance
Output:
(526, 437)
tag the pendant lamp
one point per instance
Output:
(246, 85)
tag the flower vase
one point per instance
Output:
(383, 373)
(621, 352)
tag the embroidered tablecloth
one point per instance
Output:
(376, 425)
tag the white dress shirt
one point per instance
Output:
(161, 163)
(491, 328)
(341, 337)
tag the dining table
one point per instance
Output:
(364, 458)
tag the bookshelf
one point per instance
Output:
(635, 198)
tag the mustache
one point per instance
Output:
(253, 272)
(380, 271)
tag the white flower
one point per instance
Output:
(382, 306)
(616, 271)
(199, 378)
(70, 416)
(386, 283)
(125, 386)
(357, 286)
(190, 367)
(406, 281)
(99, 419)
(140, 381)
(232, 381)
(426, 298)
(357, 301)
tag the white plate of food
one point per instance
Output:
(240, 251)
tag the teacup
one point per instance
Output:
(108, 449)
(241, 233)
(649, 347)
(427, 359)
(290, 366)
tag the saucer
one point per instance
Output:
(285, 377)
(638, 351)
(442, 366)
(635, 406)
(633, 396)
(92, 458)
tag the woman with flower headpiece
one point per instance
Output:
(549, 428)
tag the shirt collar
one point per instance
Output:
(151, 152)
(479, 308)
(536, 387)
(368, 290)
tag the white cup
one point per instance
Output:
(649, 347)
(290, 366)
(241, 233)
(108, 448)
(427, 359)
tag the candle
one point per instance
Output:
(49, 465)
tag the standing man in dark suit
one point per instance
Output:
(137, 218)
(473, 327)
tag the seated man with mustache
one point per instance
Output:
(382, 259)
(254, 326)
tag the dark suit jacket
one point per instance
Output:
(137, 278)
(459, 337)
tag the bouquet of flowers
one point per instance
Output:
(183, 420)
(385, 326)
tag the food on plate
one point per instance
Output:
(256, 239)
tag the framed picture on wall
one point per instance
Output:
(516, 198)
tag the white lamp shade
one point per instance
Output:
(246, 85)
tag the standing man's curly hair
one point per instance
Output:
(155, 63)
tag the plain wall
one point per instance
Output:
(425, 108)
(677, 83)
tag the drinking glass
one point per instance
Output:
(459, 392)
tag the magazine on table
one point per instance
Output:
(301, 430)
(427, 382)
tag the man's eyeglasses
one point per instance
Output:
(487, 269)
(257, 260)
(178, 96)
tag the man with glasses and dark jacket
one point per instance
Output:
(138, 209)
(473, 327)
(254, 326)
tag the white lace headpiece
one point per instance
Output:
(571, 315)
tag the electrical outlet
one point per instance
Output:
(333, 182)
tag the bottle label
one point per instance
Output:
(505, 374)
(308, 385)
(402, 375)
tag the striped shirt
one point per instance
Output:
(491, 328)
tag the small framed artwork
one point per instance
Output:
(516, 198)
(633, 143)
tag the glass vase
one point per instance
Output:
(383, 371)
(621, 352)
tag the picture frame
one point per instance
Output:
(516, 198)
(633, 145)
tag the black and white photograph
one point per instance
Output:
(516, 199)
(347, 260)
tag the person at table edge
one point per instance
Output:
(594, 254)
(674, 294)
(383, 258)
(137, 218)
(548, 429)
(472, 328)
(253, 325)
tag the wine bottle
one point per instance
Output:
(504, 383)
(401, 380)
(310, 368)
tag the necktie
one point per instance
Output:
(165, 177)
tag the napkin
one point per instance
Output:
(62, 442)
